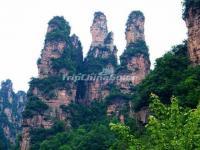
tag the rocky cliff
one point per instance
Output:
(135, 62)
(192, 19)
(61, 56)
(134, 67)
(11, 106)
(101, 59)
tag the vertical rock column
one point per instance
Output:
(61, 56)
(11, 106)
(101, 58)
(192, 19)
(135, 61)
(99, 29)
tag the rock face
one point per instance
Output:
(135, 63)
(99, 29)
(11, 106)
(134, 67)
(135, 27)
(101, 59)
(192, 18)
(61, 56)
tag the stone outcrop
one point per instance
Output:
(135, 27)
(135, 63)
(57, 49)
(60, 57)
(134, 67)
(11, 106)
(51, 50)
(99, 29)
(101, 58)
(192, 19)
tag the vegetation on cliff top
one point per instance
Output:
(132, 15)
(187, 4)
(72, 57)
(174, 122)
(134, 49)
(34, 106)
(96, 65)
(60, 29)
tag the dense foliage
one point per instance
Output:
(172, 123)
(81, 114)
(64, 62)
(60, 29)
(172, 75)
(134, 49)
(40, 134)
(47, 86)
(169, 127)
(96, 65)
(71, 59)
(94, 136)
(34, 106)
(90, 130)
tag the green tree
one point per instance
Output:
(169, 127)
(90, 137)
(172, 75)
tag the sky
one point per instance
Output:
(23, 25)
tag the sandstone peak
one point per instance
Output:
(99, 29)
(99, 16)
(135, 27)
(191, 16)
(58, 23)
(135, 58)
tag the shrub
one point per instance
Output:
(47, 85)
(170, 127)
(61, 24)
(34, 106)
(134, 49)
(172, 75)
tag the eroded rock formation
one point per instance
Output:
(135, 27)
(101, 58)
(192, 19)
(11, 106)
(99, 29)
(135, 63)
(134, 67)
(61, 56)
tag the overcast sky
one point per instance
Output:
(23, 24)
